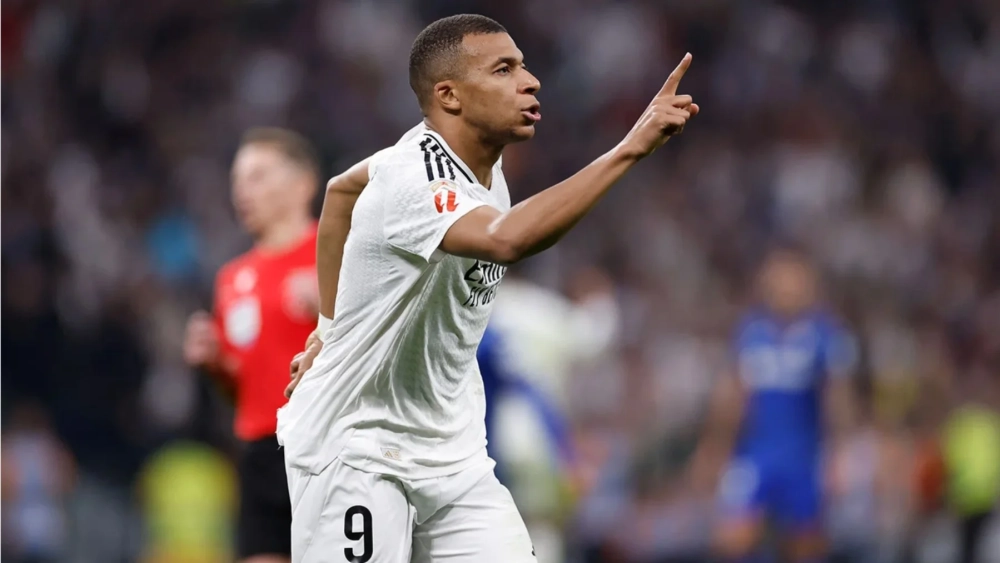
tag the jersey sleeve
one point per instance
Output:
(419, 213)
(376, 160)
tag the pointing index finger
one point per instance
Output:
(674, 80)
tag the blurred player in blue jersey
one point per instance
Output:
(499, 379)
(791, 389)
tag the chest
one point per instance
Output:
(776, 358)
(256, 299)
(470, 284)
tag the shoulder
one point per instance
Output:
(303, 254)
(753, 325)
(234, 266)
(379, 160)
(828, 324)
(839, 344)
(411, 160)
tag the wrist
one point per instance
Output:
(323, 325)
(628, 152)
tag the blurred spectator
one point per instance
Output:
(972, 459)
(38, 477)
(188, 495)
(867, 131)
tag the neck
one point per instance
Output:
(470, 146)
(284, 233)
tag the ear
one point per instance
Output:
(447, 96)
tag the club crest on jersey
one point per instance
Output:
(483, 279)
(245, 280)
(445, 195)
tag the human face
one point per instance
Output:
(496, 91)
(265, 187)
(788, 283)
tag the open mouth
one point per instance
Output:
(533, 112)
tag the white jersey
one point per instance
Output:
(397, 389)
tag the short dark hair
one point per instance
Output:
(295, 147)
(433, 55)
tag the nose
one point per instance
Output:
(531, 85)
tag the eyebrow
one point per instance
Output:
(512, 61)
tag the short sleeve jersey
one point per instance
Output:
(784, 365)
(396, 389)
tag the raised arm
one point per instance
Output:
(540, 221)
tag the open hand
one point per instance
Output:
(201, 341)
(303, 361)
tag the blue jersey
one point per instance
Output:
(784, 365)
(498, 380)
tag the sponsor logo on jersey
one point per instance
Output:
(483, 279)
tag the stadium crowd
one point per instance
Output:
(866, 131)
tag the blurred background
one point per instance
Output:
(865, 131)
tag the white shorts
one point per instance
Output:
(347, 515)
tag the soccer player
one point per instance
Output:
(792, 387)
(500, 379)
(384, 435)
(265, 306)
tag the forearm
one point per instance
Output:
(334, 225)
(725, 413)
(541, 220)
